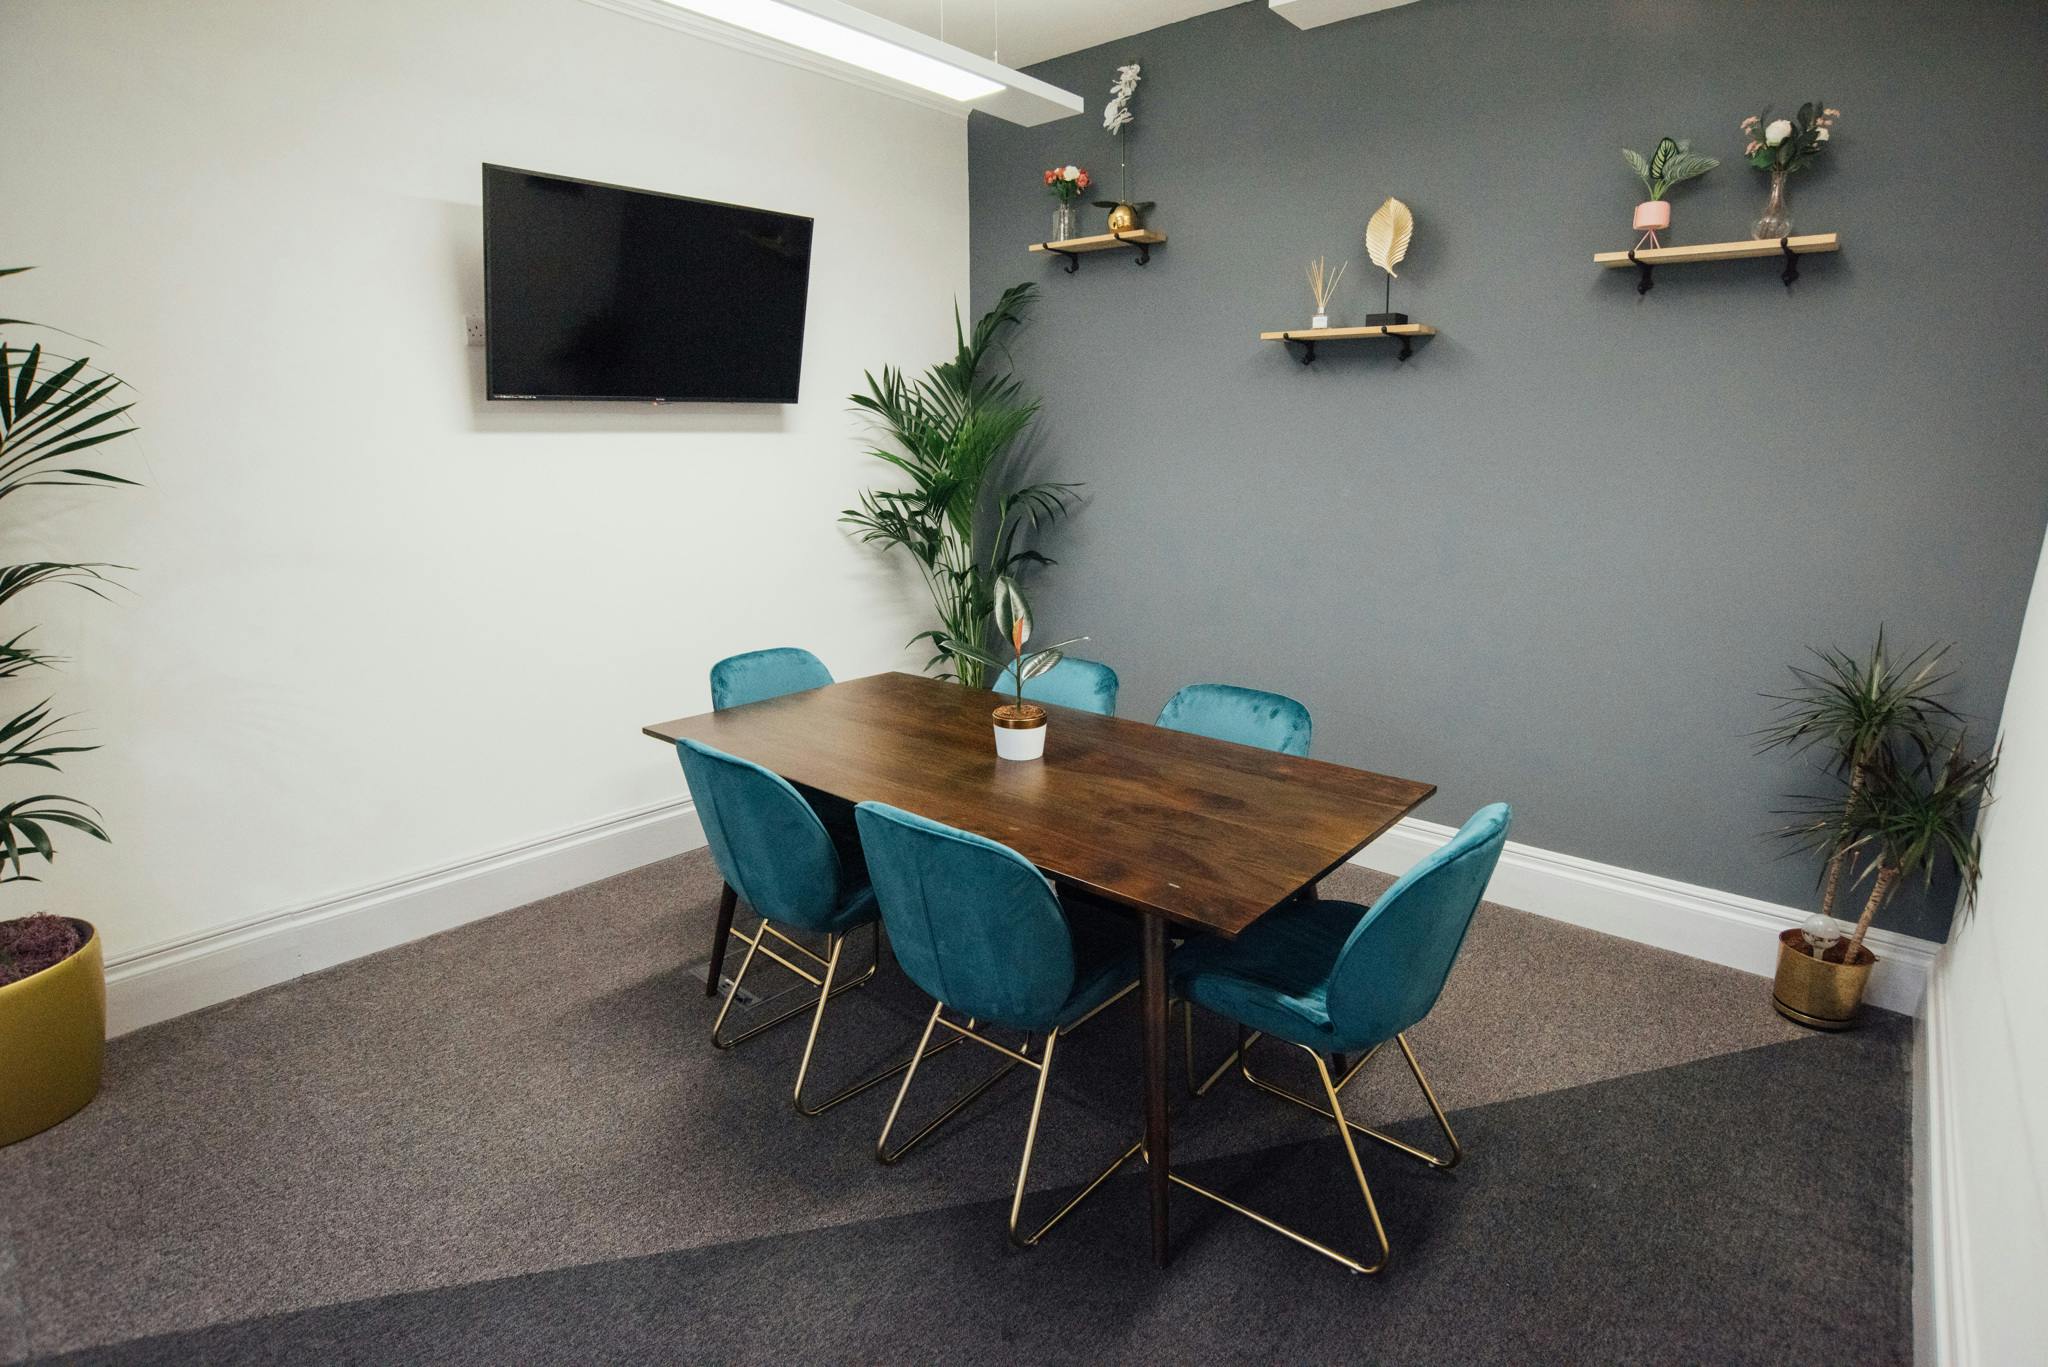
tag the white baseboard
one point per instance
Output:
(169, 979)
(1704, 923)
(148, 985)
(1941, 1295)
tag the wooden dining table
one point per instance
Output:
(1195, 835)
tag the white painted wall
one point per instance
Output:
(1985, 1241)
(380, 626)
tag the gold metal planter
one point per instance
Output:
(53, 1034)
(1810, 991)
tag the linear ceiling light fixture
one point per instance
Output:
(851, 37)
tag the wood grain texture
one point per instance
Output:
(1349, 334)
(1203, 832)
(1101, 242)
(1747, 249)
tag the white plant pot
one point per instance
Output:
(1021, 742)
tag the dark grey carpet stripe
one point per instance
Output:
(1747, 1208)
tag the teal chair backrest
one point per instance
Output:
(1083, 685)
(765, 838)
(762, 674)
(972, 922)
(1392, 968)
(1271, 721)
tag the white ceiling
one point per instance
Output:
(1033, 30)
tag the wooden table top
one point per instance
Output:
(1201, 831)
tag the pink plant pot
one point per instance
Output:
(1653, 215)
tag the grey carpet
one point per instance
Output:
(513, 1142)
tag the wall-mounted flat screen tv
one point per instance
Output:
(597, 292)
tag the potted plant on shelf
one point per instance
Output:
(1782, 146)
(953, 431)
(1065, 183)
(1895, 751)
(1020, 726)
(52, 983)
(1124, 215)
(1672, 163)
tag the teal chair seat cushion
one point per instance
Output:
(1274, 977)
(1105, 961)
(856, 908)
(1083, 685)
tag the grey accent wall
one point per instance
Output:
(1555, 557)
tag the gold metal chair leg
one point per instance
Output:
(1357, 1170)
(882, 1152)
(825, 994)
(1443, 1121)
(757, 944)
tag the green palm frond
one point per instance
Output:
(949, 435)
(1850, 707)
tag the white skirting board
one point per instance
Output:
(1941, 1298)
(165, 980)
(1704, 923)
(156, 983)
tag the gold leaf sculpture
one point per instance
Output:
(1387, 234)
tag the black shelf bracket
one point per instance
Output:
(1407, 343)
(1073, 258)
(1308, 349)
(1144, 253)
(1647, 283)
(1791, 262)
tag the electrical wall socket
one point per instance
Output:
(473, 324)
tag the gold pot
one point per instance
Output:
(1124, 219)
(1014, 718)
(55, 1027)
(1826, 996)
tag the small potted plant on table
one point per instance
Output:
(1020, 726)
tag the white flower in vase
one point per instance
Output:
(1776, 131)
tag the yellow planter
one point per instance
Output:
(1826, 996)
(53, 1034)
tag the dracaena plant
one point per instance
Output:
(53, 407)
(1911, 813)
(1671, 162)
(951, 432)
(1853, 714)
(1013, 623)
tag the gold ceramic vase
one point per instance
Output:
(54, 1024)
(1813, 992)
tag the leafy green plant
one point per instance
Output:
(951, 432)
(1671, 162)
(1789, 144)
(1853, 712)
(1907, 817)
(52, 407)
(1013, 623)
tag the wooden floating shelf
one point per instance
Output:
(1308, 337)
(1787, 248)
(1074, 248)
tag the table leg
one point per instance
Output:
(1153, 994)
(727, 899)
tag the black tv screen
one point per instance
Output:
(598, 292)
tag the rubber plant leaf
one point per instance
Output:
(1387, 234)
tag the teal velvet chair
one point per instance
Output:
(760, 675)
(1270, 721)
(776, 855)
(1083, 685)
(1333, 978)
(981, 930)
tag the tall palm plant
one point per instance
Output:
(950, 432)
(52, 407)
(1853, 711)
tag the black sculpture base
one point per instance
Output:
(1374, 320)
